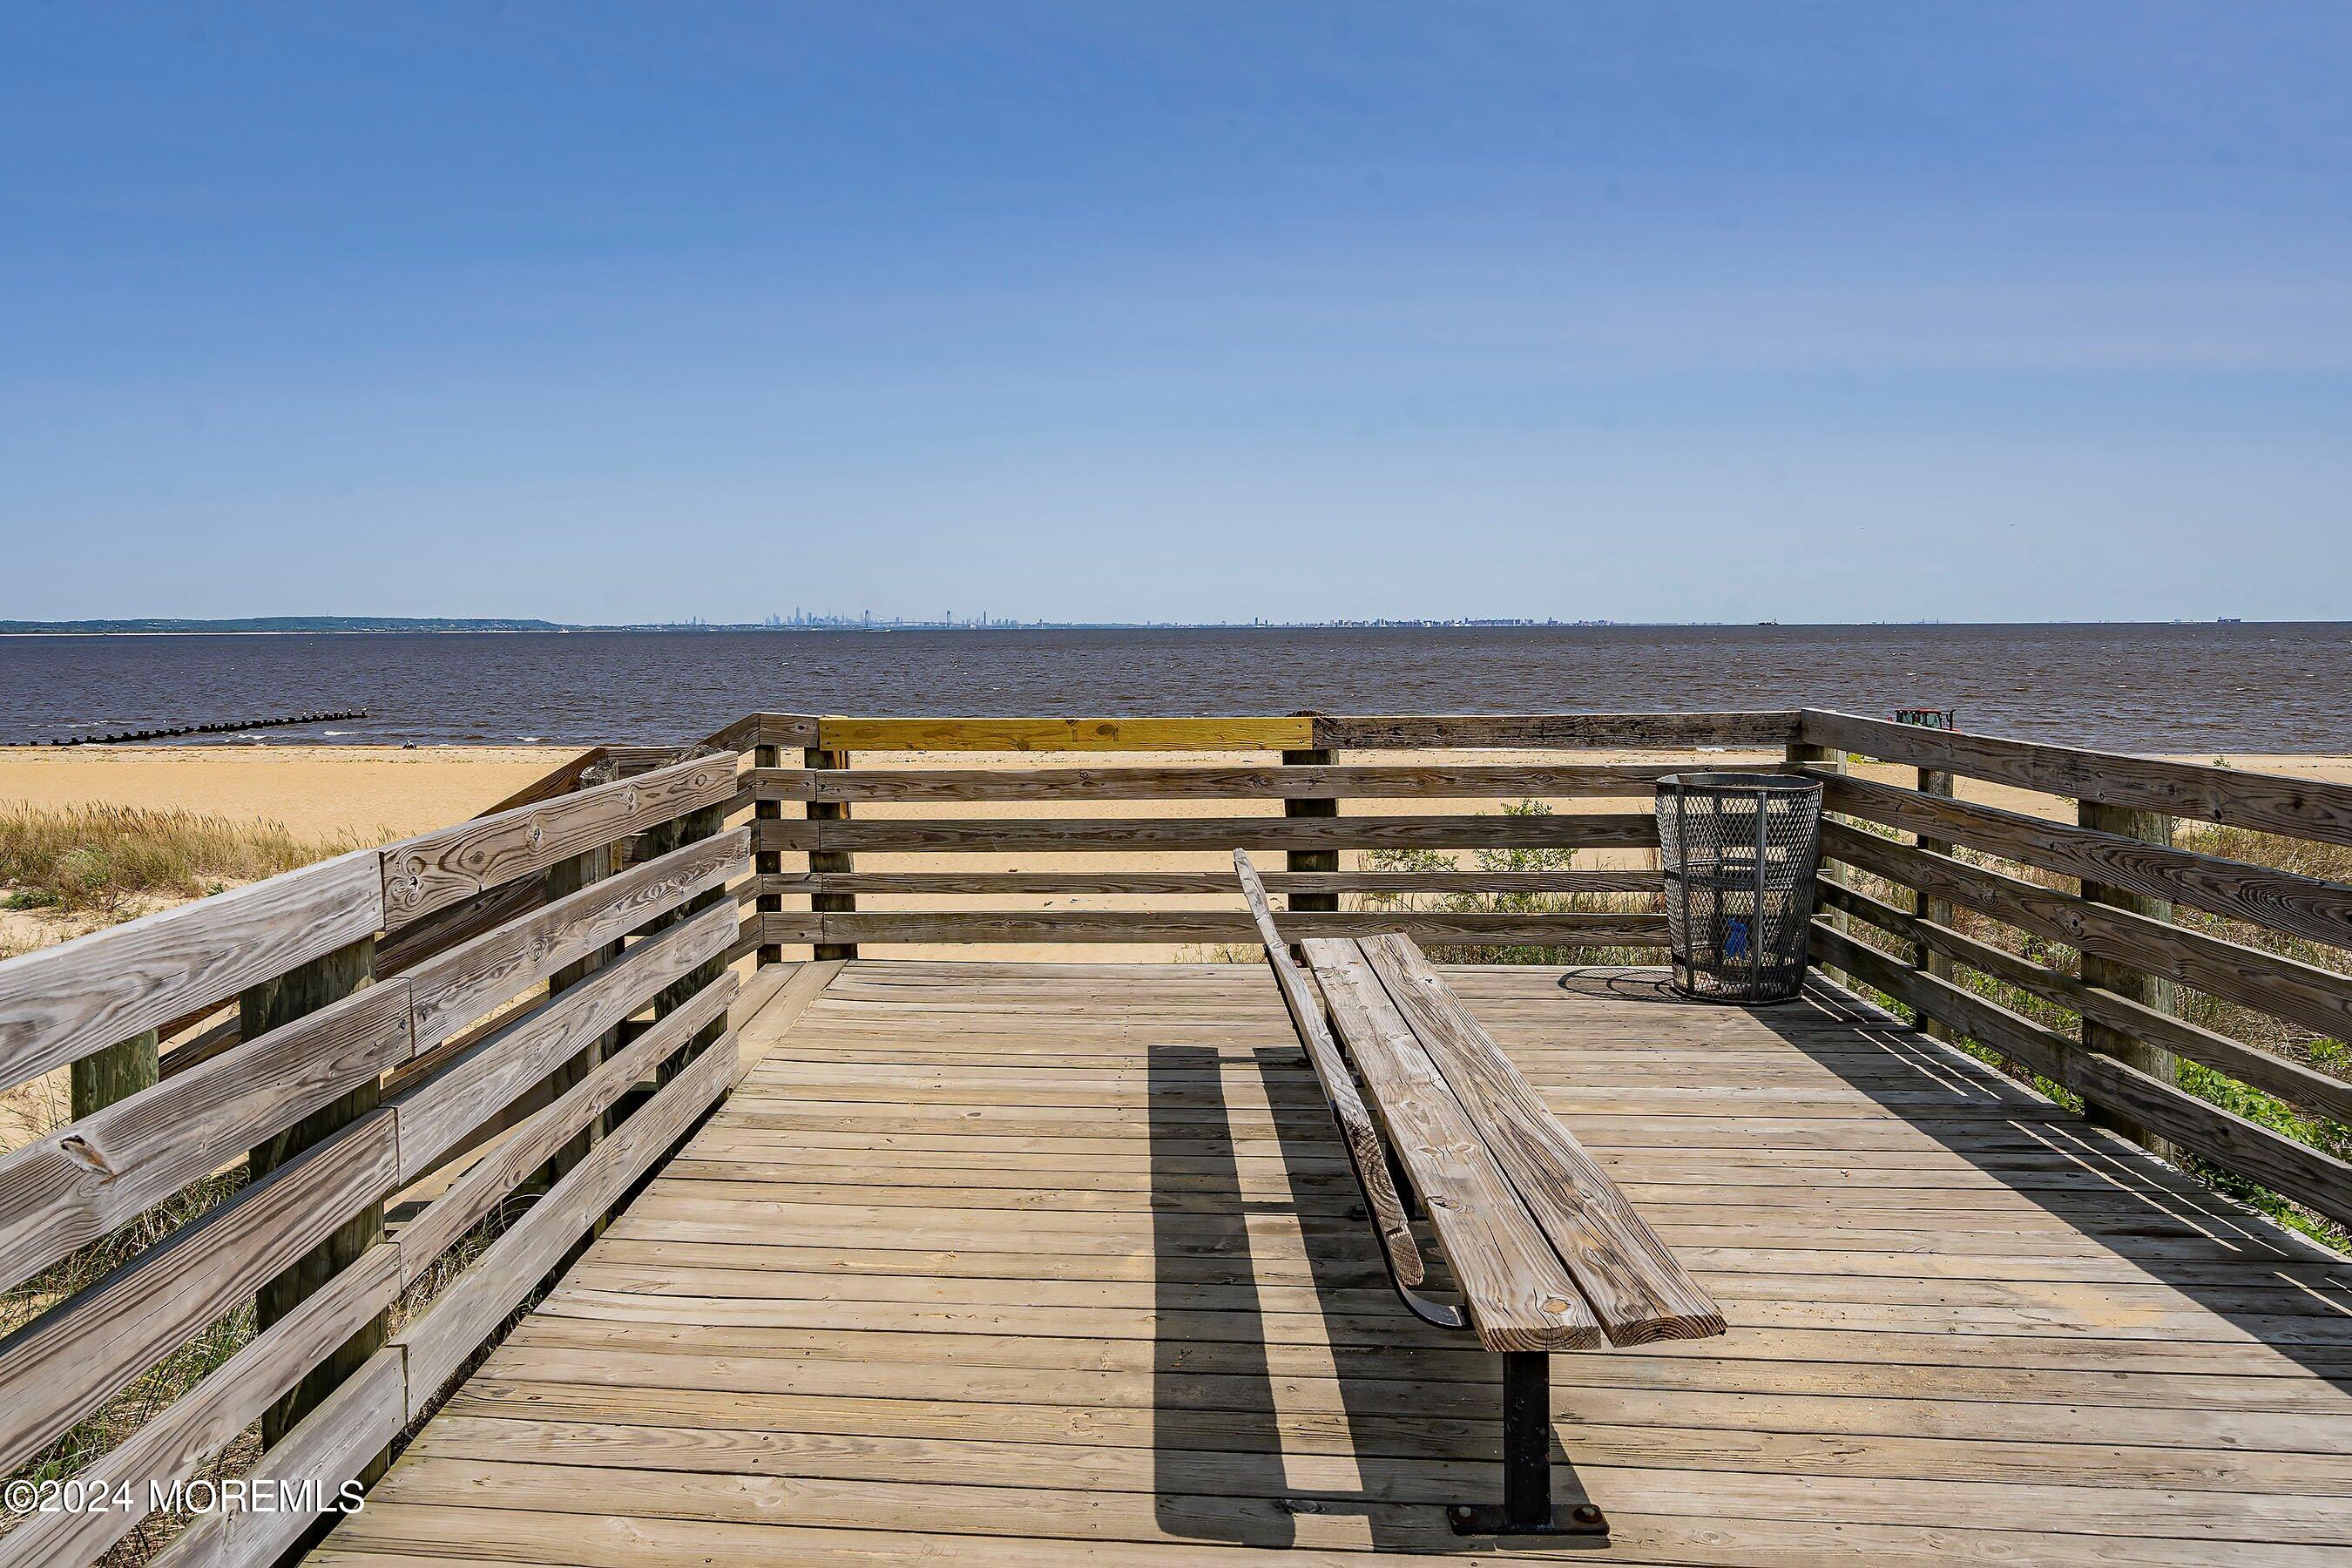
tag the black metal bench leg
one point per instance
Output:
(1526, 1507)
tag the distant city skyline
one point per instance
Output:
(1666, 312)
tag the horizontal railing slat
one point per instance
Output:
(2303, 1174)
(436, 869)
(1384, 731)
(77, 1183)
(1332, 782)
(2278, 1075)
(328, 1447)
(59, 1004)
(441, 1109)
(1570, 930)
(438, 1343)
(2268, 803)
(2318, 999)
(207, 1418)
(1601, 880)
(460, 986)
(528, 1144)
(1110, 734)
(78, 1354)
(2277, 901)
(1072, 835)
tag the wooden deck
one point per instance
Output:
(1007, 1264)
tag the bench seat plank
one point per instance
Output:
(1521, 1297)
(1638, 1290)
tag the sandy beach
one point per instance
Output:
(370, 793)
(362, 794)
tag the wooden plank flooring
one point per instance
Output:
(1005, 1264)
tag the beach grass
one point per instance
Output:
(1516, 904)
(107, 860)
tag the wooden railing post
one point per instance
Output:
(299, 990)
(676, 834)
(117, 1072)
(1934, 910)
(1310, 859)
(767, 862)
(2150, 990)
(563, 878)
(825, 860)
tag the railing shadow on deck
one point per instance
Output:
(2303, 1326)
(1414, 1424)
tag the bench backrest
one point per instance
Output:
(1365, 1152)
(1548, 1252)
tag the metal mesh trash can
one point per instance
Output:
(1738, 852)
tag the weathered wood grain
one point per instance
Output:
(82, 1180)
(77, 1354)
(439, 1342)
(760, 1030)
(1440, 781)
(1601, 880)
(2297, 1170)
(58, 1004)
(458, 986)
(436, 869)
(333, 1444)
(1468, 928)
(1596, 830)
(756, 730)
(1931, 1309)
(2268, 803)
(207, 1418)
(1519, 1295)
(1115, 734)
(569, 776)
(2278, 900)
(1365, 1153)
(2319, 999)
(437, 1112)
(1637, 1288)
(1387, 732)
(2289, 1079)
(530, 1143)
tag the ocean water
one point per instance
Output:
(2204, 688)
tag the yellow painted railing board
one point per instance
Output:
(1229, 734)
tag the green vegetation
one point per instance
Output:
(2332, 862)
(1517, 903)
(105, 860)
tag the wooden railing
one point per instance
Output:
(1290, 796)
(549, 959)
(2107, 885)
(542, 993)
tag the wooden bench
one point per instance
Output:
(1545, 1252)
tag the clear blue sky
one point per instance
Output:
(1170, 310)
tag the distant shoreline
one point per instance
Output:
(295, 627)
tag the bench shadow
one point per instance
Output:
(1406, 1397)
(2247, 1271)
(1208, 1396)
